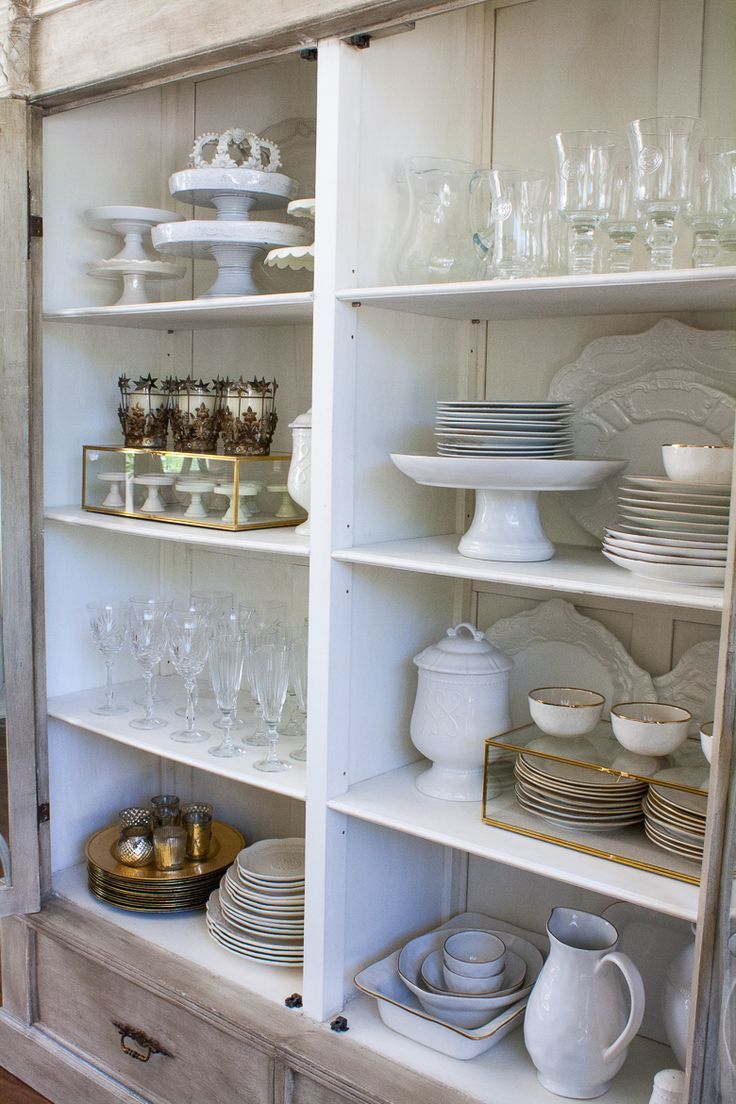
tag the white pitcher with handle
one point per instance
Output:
(577, 1027)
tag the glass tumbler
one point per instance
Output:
(507, 211)
(166, 811)
(586, 162)
(437, 241)
(664, 153)
(108, 622)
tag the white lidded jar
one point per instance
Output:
(462, 698)
(300, 469)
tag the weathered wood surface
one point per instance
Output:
(13, 1091)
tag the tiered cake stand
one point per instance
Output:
(132, 264)
(234, 240)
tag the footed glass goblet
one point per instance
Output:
(271, 675)
(227, 655)
(108, 622)
(623, 222)
(189, 641)
(586, 162)
(147, 639)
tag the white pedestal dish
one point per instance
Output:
(247, 499)
(506, 525)
(296, 257)
(154, 503)
(195, 488)
(130, 223)
(134, 275)
(113, 498)
(234, 245)
(232, 192)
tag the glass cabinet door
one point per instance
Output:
(19, 801)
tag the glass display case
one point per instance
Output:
(212, 491)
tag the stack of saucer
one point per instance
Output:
(675, 819)
(575, 797)
(531, 429)
(258, 910)
(677, 532)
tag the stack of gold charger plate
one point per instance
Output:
(146, 889)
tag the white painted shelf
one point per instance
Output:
(505, 1074)
(75, 709)
(393, 801)
(282, 541)
(573, 570)
(291, 309)
(554, 296)
(184, 935)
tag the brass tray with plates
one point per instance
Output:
(146, 889)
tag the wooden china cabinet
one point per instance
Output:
(104, 99)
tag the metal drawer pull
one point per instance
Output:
(147, 1045)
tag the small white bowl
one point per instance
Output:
(565, 710)
(698, 463)
(474, 954)
(650, 728)
(706, 739)
(471, 986)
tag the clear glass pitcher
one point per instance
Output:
(436, 245)
(507, 211)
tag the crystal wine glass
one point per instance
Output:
(664, 152)
(724, 165)
(255, 619)
(706, 210)
(271, 676)
(147, 639)
(214, 603)
(586, 161)
(623, 222)
(189, 641)
(227, 654)
(298, 679)
(109, 623)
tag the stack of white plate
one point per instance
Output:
(677, 532)
(258, 910)
(675, 819)
(575, 797)
(538, 429)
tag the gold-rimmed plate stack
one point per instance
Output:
(146, 889)
(675, 819)
(574, 797)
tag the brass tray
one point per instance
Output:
(226, 843)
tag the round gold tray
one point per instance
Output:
(226, 843)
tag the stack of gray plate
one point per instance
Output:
(532, 429)
(675, 819)
(575, 797)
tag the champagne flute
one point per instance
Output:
(108, 622)
(271, 676)
(298, 679)
(227, 654)
(255, 619)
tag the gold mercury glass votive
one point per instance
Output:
(198, 825)
(169, 847)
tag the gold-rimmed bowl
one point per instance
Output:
(565, 710)
(706, 739)
(650, 728)
(698, 463)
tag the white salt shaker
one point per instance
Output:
(669, 1087)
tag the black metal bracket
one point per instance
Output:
(360, 41)
(309, 53)
(294, 1001)
(339, 1024)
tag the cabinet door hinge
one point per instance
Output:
(35, 222)
(44, 813)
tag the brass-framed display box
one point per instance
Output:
(211, 491)
(589, 794)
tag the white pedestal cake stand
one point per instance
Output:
(235, 246)
(506, 525)
(132, 264)
(135, 275)
(233, 192)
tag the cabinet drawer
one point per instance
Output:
(81, 1003)
(303, 1090)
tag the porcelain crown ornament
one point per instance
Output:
(254, 152)
(462, 697)
(577, 1027)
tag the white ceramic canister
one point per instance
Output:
(300, 469)
(676, 998)
(578, 1024)
(462, 698)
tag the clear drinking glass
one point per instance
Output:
(507, 209)
(586, 162)
(623, 222)
(227, 654)
(255, 619)
(706, 210)
(108, 622)
(436, 244)
(147, 640)
(189, 641)
(664, 153)
(271, 675)
(298, 679)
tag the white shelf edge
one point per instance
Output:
(280, 542)
(292, 308)
(174, 933)
(393, 801)
(557, 296)
(572, 570)
(75, 709)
